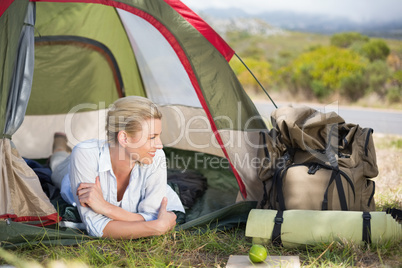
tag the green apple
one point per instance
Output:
(257, 253)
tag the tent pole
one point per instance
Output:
(257, 80)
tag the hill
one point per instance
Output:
(271, 52)
(314, 23)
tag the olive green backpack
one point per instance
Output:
(315, 161)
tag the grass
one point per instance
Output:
(194, 249)
(212, 248)
(175, 249)
(389, 161)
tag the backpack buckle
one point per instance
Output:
(366, 216)
(313, 169)
(278, 220)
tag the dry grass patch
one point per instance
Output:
(389, 179)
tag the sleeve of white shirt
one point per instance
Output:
(156, 188)
(84, 168)
(174, 203)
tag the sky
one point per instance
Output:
(357, 10)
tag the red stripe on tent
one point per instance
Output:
(46, 220)
(186, 64)
(206, 30)
(4, 5)
(183, 59)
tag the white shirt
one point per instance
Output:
(147, 185)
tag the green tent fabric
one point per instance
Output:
(224, 218)
(88, 56)
(308, 227)
(14, 234)
(63, 66)
(11, 21)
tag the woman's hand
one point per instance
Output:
(90, 195)
(134, 229)
(166, 219)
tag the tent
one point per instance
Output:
(64, 62)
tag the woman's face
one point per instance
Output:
(143, 144)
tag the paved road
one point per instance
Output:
(382, 121)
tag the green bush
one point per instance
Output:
(377, 74)
(261, 69)
(253, 52)
(396, 78)
(322, 70)
(354, 86)
(285, 54)
(312, 48)
(394, 94)
(345, 40)
(375, 50)
(319, 89)
(357, 46)
(303, 78)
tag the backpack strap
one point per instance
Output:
(266, 152)
(335, 176)
(341, 192)
(278, 180)
(350, 182)
(276, 232)
(273, 196)
(369, 132)
(366, 227)
(372, 194)
(265, 195)
(325, 201)
(264, 140)
(395, 213)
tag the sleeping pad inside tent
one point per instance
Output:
(64, 63)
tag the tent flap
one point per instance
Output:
(22, 196)
(21, 83)
(11, 23)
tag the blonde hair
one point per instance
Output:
(127, 114)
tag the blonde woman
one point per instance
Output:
(120, 185)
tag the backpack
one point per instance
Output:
(316, 162)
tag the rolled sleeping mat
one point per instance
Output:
(294, 228)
